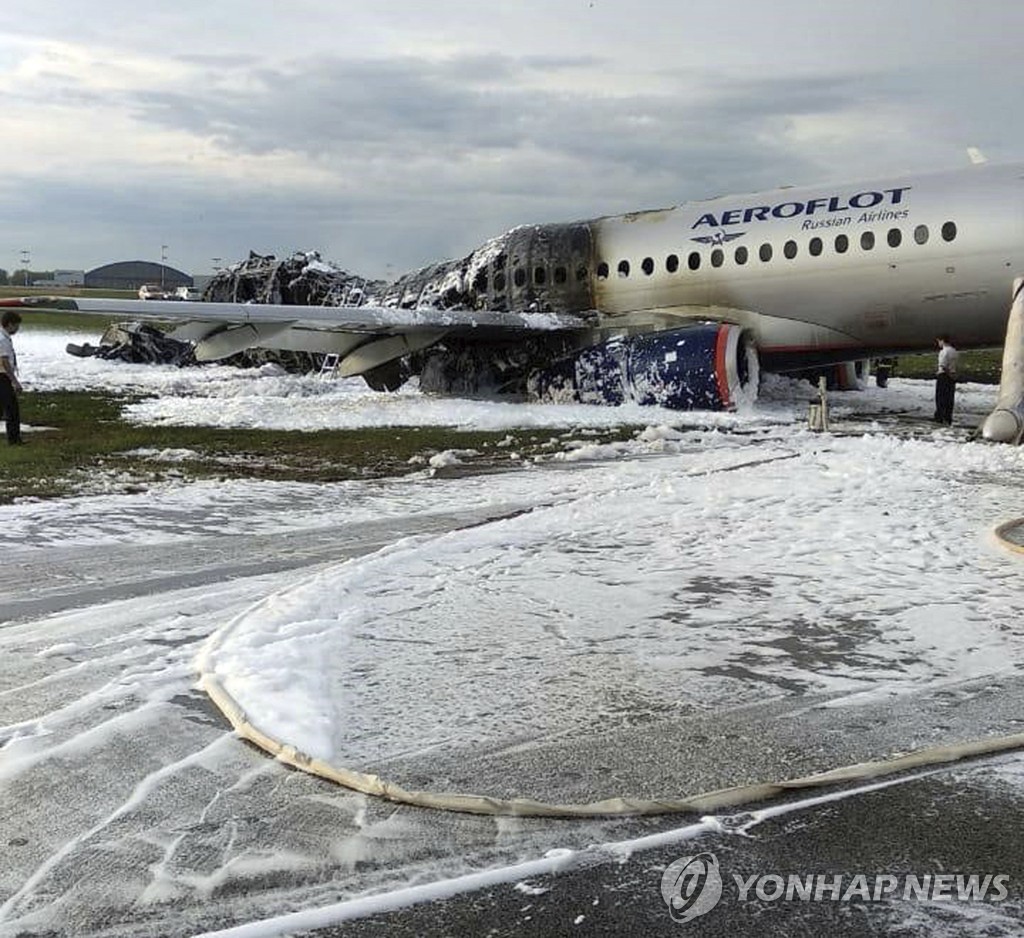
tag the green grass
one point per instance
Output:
(982, 366)
(87, 450)
(77, 323)
(98, 292)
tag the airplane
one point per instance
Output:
(679, 307)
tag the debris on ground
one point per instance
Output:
(137, 343)
(142, 344)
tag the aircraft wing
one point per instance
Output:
(362, 319)
(364, 336)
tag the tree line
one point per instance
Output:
(22, 277)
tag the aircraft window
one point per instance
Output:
(789, 249)
(602, 271)
(717, 256)
(499, 281)
(814, 246)
(561, 275)
(765, 253)
(894, 237)
(949, 231)
(867, 240)
(539, 275)
(519, 277)
(842, 244)
(672, 263)
(693, 261)
(648, 266)
(581, 274)
(741, 255)
(921, 234)
(623, 268)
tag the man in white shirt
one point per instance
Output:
(945, 380)
(10, 387)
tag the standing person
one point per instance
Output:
(945, 380)
(10, 387)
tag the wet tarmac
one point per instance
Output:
(956, 821)
(128, 808)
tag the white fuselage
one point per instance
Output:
(946, 248)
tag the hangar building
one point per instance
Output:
(130, 275)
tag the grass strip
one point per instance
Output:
(87, 448)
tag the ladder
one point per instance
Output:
(329, 366)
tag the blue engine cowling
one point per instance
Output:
(704, 366)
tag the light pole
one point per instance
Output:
(26, 261)
(163, 257)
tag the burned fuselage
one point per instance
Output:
(533, 268)
(548, 268)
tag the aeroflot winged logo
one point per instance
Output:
(830, 211)
(719, 237)
(691, 886)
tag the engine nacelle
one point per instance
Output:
(704, 366)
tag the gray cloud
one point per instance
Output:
(401, 108)
(427, 156)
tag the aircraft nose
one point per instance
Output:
(1001, 426)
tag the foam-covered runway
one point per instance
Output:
(701, 607)
(661, 594)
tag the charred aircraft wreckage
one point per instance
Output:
(533, 274)
(680, 307)
(547, 271)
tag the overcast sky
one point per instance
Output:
(390, 134)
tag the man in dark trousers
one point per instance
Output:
(945, 381)
(10, 387)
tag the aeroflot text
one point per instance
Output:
(823, 887)
(835, 203)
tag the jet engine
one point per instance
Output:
(704, 366)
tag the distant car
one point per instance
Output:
(187, 293)
(151, 291)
